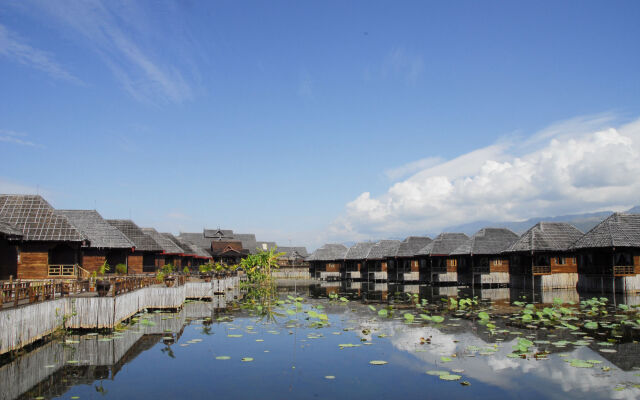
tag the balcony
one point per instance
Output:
(63, 270)
(626, 270)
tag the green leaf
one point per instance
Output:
(437, 319)
(591, 325)
(378, 362)
(483, 315)
(372, 308)
(408, 317)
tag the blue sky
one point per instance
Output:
(321, 121)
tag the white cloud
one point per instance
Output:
(576, 166)
(16, 48)
(404, 63)
(412, 167)
(19, 138)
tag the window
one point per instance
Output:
(453, 262)
(496, 262)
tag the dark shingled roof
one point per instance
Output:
(165, 243)
(547, 236)
(618, 230)
(185, 249)
(262, 246)
(142, 241)
(383, 249)
(329, 252)
(217, 233)
(444, 244)
(487, 241)
(248, 241)
(300, 251)
(196, 238)
(359, 251)
(36, 219)
(411, 245)
(9, 231)
(100, 233)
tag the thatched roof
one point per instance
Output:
(100, 233)
(168, 247)
(546, 236)
(300, 252)
(142, 241)
(9, 231)
(487, 241)
(383, 249)
(411, 245)
(359, 251)
(185, 249)
(443, 244)
(35, 218)
(618, 230)
(329, 252)
(195, 238)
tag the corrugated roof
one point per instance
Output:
(165, 243)
(100, 233)
(329, 252)
(142, 241)
(9, 231)
(411, 245)
(487, 241)
(383, 249)
(617, 230)
(359, 251)
(36, 219)
(443, 244)
(547, 236)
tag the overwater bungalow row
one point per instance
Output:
(380, 259)
(542, 258)
(440, 267)
(353, 265)
(480, 261)
(326, 262)
(171, 253)
(147, 250)
(407, 264)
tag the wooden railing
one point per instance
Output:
(623, 270)
(63, 270)
(541, 270)
(15, 293)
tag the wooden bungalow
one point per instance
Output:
(609, 255)
(326, 262)
(228, 252)
(407, 265)
(49, 246)
(193, 256)
(542, 259)
(143, 258)
(106, 242)
(353, 266)
(480, 259)
(10, 237)
(439, 266)
(380, 259)
(171, 253)
(293, 257)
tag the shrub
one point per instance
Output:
(121, 269)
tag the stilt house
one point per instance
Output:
(293, 257)
(480, 259)
(171, 252)
(10, 237)
(50, 244)
(407, 266)
(440, 267)
(143, 259)
(542, 259)
(609, 255)
(354, 261)
(380, 259)
(326, 262)
(106, 243)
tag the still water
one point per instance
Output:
(319, 341)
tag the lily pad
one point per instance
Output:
(378, 362)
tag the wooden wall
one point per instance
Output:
(571, 265)
(332, 267)
(34, 261)
(502, 266)
(134, 262)
(452, 264)
(92, 260)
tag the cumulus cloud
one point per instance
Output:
(575, 166)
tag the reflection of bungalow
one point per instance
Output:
(293, 257)
(609, 255)
(228, 252)
(106, 243)
(326, 262)
(380, 260)
(480, 262)
(440, 267)
(354, 260)
(171, 252)
(50, 245)
(407, 264)
(541, 257)
(143, 259)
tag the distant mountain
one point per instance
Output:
(584, 222)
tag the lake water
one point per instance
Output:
(318, 341)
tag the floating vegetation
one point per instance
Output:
(378, 362)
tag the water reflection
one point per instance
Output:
(174, 355)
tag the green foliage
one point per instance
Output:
(167, 269)
(258, 266)
(186, 271)
(206, 268)
(160, 277)
(121, 269)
